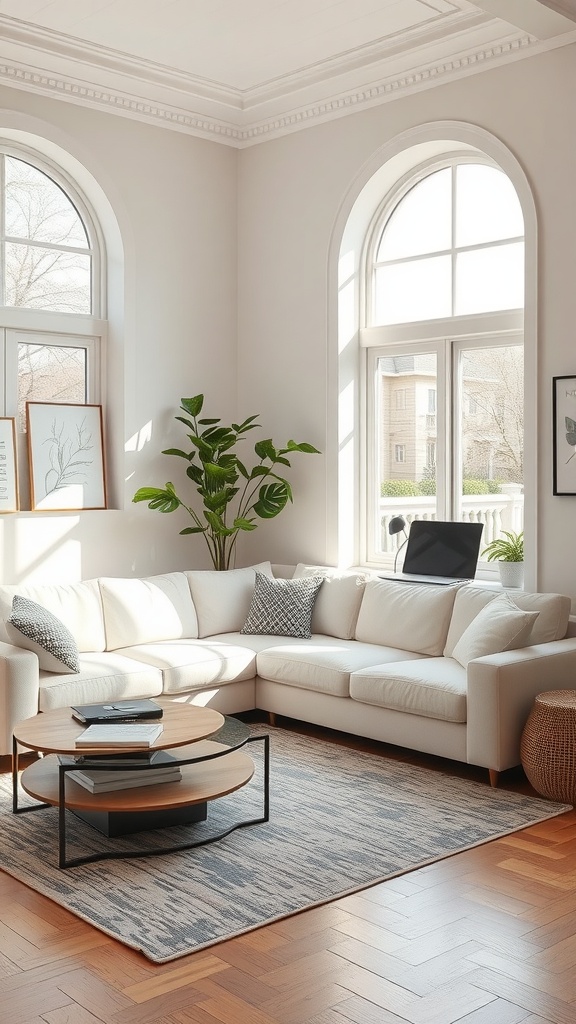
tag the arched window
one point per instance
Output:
(444, 283)
(51, 301)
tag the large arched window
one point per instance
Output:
(51, 301)
(443, 287)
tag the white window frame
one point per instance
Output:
(38, 326)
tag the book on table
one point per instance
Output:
(117, 711)
(128, 734)
(108, 781)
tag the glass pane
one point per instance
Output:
(40, 278)
(492, 438)
(421, 222)
(490, 279)
(405, 446)
(37, 208)
(487, 206)
(418, 290)
(50, 373)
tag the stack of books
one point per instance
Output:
(136, 771)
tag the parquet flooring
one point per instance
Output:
(485, 937)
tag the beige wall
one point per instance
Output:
(185, 208)
(291, 193)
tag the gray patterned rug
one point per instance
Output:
(340, 821)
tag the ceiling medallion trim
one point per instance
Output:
(206, 126)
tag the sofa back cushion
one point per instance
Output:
(222, 599)
(140, 611)
(409, 616)
(77, 605)
(338, 602)
(551, 624)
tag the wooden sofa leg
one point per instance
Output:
(271, 719)
(494, 777)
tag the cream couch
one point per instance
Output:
(389, 661)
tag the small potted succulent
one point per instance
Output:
(508, 552)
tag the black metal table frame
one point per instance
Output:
(63, 769)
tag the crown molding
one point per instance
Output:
(241, 119)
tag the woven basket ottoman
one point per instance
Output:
(548, 746)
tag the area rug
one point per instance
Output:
(340, 820)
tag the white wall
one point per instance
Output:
(291, 192)
(173, 331)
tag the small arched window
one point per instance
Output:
(444, 286)
(51, 302)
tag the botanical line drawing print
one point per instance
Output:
(66, 467)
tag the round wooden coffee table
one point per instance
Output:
(210, 768)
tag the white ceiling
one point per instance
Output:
(239, 71)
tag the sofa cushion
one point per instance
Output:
(196, 664)
(222, 599)
(102, 677)
(77, 605)
(282, 607)
(406, 615)
(36, 629)
(433, 688)
(551, 624)
(138, 611)
(500, 626)
(323, 663)
(336, 608)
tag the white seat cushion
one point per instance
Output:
(322, 664)
(102, 677)
(433, 688)
(406, 615)
(193, 664)
(140, 611)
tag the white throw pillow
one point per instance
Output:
(500, 626)
(282, 607)
(222, 599)
(338, 602)
(36, 629)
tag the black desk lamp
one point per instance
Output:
(398, 525)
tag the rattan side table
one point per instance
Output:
(548, 746)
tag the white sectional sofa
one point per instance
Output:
(401, 663)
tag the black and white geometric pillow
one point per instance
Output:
(36, 629)
(282, 607)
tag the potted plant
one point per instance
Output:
(508, 551)
(233, 496)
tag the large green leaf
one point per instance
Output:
(158, 498)
(193, 406)
(244, 524)
(272, 498)
(265, 449)
(292, 446)
(180, 453)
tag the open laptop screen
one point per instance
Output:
(443, 549)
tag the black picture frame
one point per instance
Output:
(564, 435)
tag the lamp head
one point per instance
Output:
(396, 525)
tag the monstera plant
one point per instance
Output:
(233, 496)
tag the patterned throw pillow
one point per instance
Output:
(282, 607)
(38, 630)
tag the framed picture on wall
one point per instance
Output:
(564, 435)
(66, 456)
(8, 465)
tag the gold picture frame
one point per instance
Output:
(9, 494)
(65, 456)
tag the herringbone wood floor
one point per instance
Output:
(485, 937)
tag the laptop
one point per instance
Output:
(441, 553)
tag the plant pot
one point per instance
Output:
(511, 574)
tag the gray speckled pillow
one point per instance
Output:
(282, 607)
(36, 629)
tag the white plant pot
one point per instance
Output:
(511, 574)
